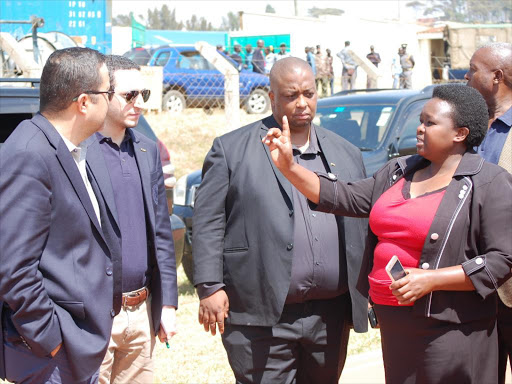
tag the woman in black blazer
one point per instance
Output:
(438, 323)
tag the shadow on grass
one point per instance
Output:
(185, 287)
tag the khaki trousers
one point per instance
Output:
(130, 350)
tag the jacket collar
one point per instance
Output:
(470, 164)
(48, 129)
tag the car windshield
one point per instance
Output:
(363, 125)
(140, 56)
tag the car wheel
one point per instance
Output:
(173, 101)
(188, 262)
(258, 102)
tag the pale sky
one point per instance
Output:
(214, 10)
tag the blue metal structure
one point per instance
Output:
(89, 22)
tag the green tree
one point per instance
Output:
(163, 19)
(230, 22)
(469, 11)
(316, 12)
(269, 9)
(122, 20)
(198, 24)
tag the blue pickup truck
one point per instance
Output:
(190, 81)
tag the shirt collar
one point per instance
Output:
(69, 144)
(506, 117)
(128, 135)
(78, 152)
(313, 147)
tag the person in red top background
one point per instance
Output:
(446, 213)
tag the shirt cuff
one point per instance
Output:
(207, 289)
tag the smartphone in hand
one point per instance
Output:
(394, 269)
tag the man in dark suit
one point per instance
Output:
(59, 256)
(277, 278)
(127, 166)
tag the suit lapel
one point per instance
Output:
(332, 155)
(68, 164)
(268, 123)
(101, 174)
(142, 156)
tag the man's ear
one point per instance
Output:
(462, 133)
(271, 95)
(498, 76)
(82, 103)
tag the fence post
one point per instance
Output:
(371, 70)
(231, 83)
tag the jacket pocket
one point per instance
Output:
(75, 308)
(236, 249)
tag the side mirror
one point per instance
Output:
(407, 145)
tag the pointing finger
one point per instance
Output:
(286, 128)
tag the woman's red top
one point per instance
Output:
(401, 224)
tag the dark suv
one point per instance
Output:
(19, 100)
(381, 123)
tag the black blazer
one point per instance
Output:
(243, 224)
(470, 228)
(56, 263)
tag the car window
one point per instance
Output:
(192, 60)
(9, 122)
(412, 118)
(162, 59)
(362, 125)
(139, 56)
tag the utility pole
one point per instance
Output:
(295, 3)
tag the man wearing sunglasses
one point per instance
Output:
(59, 257)
(128, 164)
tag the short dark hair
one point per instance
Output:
(469, 110)
(116, 63)
(68, 73)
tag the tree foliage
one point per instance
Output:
(198, 24)
(269, 9)
(165, 19)
(122, 20)
(316, 12)
(230, 22)
(469, 11)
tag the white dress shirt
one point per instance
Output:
(79, 153)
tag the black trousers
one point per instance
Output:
(420, 350)
(307, 345)
(504, 339)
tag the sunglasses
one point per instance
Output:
(131, 96)
(110, 94)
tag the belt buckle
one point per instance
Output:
(134, 295)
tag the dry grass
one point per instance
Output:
(189, 135)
